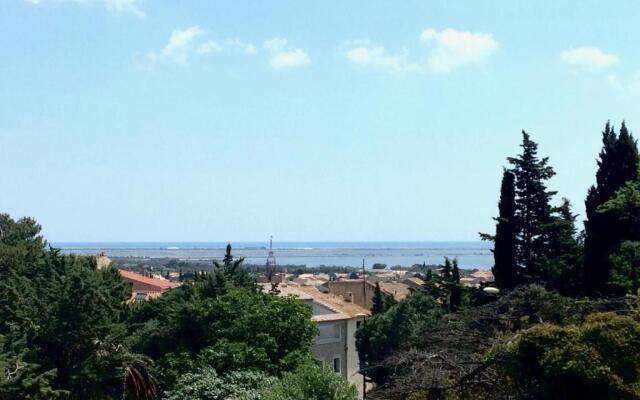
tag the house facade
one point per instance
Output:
(337, 321)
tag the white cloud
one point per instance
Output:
(126, 6)
(446, 51)
(365, 53)
(282, 57)
(179, 46)
(210, 46)
(588, 56)
(183, 43)
(247, 48)
(450, 49)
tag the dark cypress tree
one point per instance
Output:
(617, 164)
(455, 297)
(429, 276)
(533, 211)
(378, 301)
(505, 269)
(446, 270)
(228, 258)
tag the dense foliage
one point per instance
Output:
(617, 165)
(207, 384)
(216, 324)
(310, 382)
(597, 359)
(565, 322)
(62, 322)
(538, 242)
(69, 331)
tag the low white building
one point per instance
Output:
(338, 320)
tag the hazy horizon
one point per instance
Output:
(310, 254)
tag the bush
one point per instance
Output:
(310, 382)
(207, 385)
(598, 359)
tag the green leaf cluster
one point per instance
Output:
(597, 359)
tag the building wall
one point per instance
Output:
(345, 348)
(360, 297)
(353, 362)
(325, 350)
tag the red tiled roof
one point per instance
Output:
(159, 283)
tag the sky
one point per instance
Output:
(148, 120)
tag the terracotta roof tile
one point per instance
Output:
(132, 276)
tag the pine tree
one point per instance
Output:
(617, 164)
(505, 269)
(429, 276)
(378, 300)
(563, 257)
(230, 267)
(533, 211)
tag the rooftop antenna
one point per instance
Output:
(271, 260)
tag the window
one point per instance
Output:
(358, 323)
(336, 365)
(140, 296)
(329, 333)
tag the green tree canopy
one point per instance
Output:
(563, 256)
(212, 323)
(598, 359)
(533, 210)
(310, 382)
(617, 165)
(62, 321)
(206, 384)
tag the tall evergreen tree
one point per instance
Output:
(505, 268)
(446, 271)
(230, 267)
(563, 257)
(455, 296)
(378, 300)
(429, 276)
(533, 211)
(617, 164)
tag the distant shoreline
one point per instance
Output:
(345, 254)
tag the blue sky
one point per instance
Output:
(337, 120)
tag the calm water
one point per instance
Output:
(469, 254)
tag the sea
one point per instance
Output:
(470, 255)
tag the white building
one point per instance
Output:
(337, 320)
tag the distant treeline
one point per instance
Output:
(163, 266)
